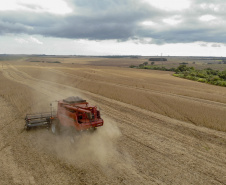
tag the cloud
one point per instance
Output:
(200, 21)
(29, 40)
(21, 40)
(207, 18)
(58, 7)
(35, 40)
(216, 45)
(203, 44)
(172, 20)
(169, 5)
(33, 7)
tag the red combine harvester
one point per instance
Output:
(71, 112)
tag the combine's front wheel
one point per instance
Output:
(26, 127)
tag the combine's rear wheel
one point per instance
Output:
(93, 129)
(55, 127)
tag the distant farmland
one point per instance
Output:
(158, 129)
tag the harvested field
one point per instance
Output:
(158, 129)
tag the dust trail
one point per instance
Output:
(100, 149)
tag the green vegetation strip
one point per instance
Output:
(207, 75)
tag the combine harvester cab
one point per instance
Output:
(72, 112)
(76, 112)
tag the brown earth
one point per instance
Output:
(158, 129)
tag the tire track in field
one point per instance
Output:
(208, 102)
(9, 134)
(163, 146)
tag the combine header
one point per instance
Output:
(71, 112)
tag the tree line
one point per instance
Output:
(207, 75)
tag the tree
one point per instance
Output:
(222, 74)
(145, 63)
(141, 66)
(181, 68)
(152, 63)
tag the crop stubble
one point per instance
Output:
(146, 140)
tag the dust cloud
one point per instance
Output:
(97, 147)
(84, 148)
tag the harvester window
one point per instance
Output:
(70, 110)
(79, 118)
(98, 114)
(89, 115)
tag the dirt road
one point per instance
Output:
(135, 146)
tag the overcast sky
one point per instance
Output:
(113, 27)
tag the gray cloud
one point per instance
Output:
(203, 44)
(122, 20)
(216, 45)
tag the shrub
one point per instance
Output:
(221, 83)
(202, 74)
(222, 74)
(207, 75)
(132, 66)
(202, 80)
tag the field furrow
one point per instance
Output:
(145, 140)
